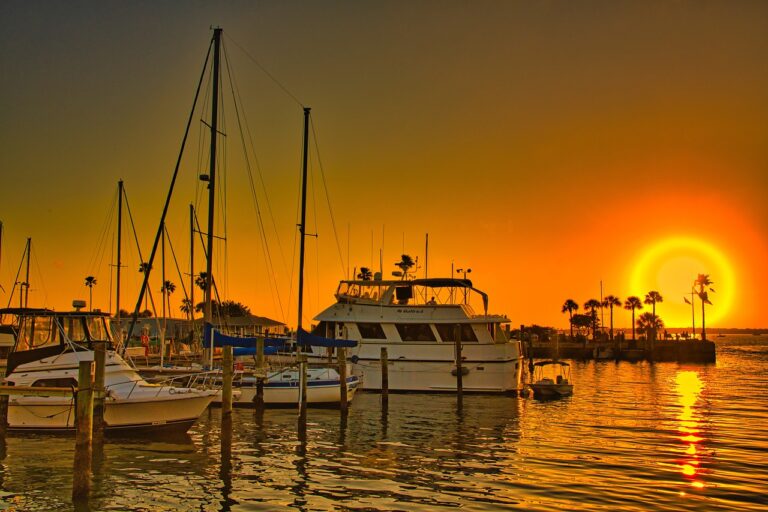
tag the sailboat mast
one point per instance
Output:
(26, 279)
(302, 226)
(119, 246)
(212, 176)
(192, 261)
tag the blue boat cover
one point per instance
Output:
(251, 351)
(221, 340)
(307, 339)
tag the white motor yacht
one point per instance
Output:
(48, 349)
(417, 320)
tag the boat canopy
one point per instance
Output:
(222, 340)
(550, 361)
(307, 339)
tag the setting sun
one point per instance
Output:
(671, 265)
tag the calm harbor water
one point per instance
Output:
(634, 436)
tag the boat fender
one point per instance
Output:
(354, 359)
(464, 371)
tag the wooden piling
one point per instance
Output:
(384, 377)
(302, 394)
(258, 399)
(81, 482)
(3, 413)
(343, 403)
(99, 394)
(226, 388)
(459, 368)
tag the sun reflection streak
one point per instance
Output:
(689, 386)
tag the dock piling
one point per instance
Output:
(81, 482)
(99, 394)
(342, 355)
(258, 399)
(226, 388)
(302, 394)
(384, 377)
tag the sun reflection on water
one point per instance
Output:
(689, 386)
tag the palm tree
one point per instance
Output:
(90, 282)
(703, 282)
(648, 323)
(593, 305)
(632, 303)
(167, 289)
(570, 306)
(608, 302)
(653, 297)
(201, 280)
(186, 307)
(365, 274)
(405, 264)
(145, 267)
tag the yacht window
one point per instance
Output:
(403, 294)
(415, 332)
(62, 382)
(96, 328)
(371, 331)
(74, 328)
(446, 332)
(42, 333)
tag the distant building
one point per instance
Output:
(179, 329)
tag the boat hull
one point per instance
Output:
(319, 393)
(551, 390)
(58, 413)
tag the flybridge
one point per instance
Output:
(415, 292)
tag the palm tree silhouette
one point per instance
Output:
(405, 264)
(703, 282)
(632, 303)
(167, 289)
(593, 305)
(648, 323)
(186, 308)
(608, 302)
(570, 306)
(90, 282)
(652, 298)
(201, 280)
(365, 274)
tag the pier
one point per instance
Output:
(666, 350)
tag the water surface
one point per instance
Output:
(635, 436)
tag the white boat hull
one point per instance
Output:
(288, 395)
(551, 390)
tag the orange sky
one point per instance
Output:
(547, 145)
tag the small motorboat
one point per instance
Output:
(551, 379)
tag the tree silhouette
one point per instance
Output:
(593, 305)
(632, 303)
(167, 289)
(186, 308)
(365, 274)
(703, 282)
(608, 302)
(570, 306)
(652, 298)
(201, 280)
(648, 323)
(90, 282)
(405, 264)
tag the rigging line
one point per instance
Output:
(16, 280)
(264, 70)
(205, 255)
(170, 192)
(262, 232)
(327, 195)
(250, 138)
(317, 244)
(103, 234)
(176, 263)
(40, 277)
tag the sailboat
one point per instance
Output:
(282, 387)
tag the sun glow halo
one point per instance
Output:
(670, 267)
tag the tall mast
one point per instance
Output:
(119, 245)
(212, 177)
(302, 226)
(26, 279)
(192, 261)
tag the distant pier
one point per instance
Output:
(681, 351)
